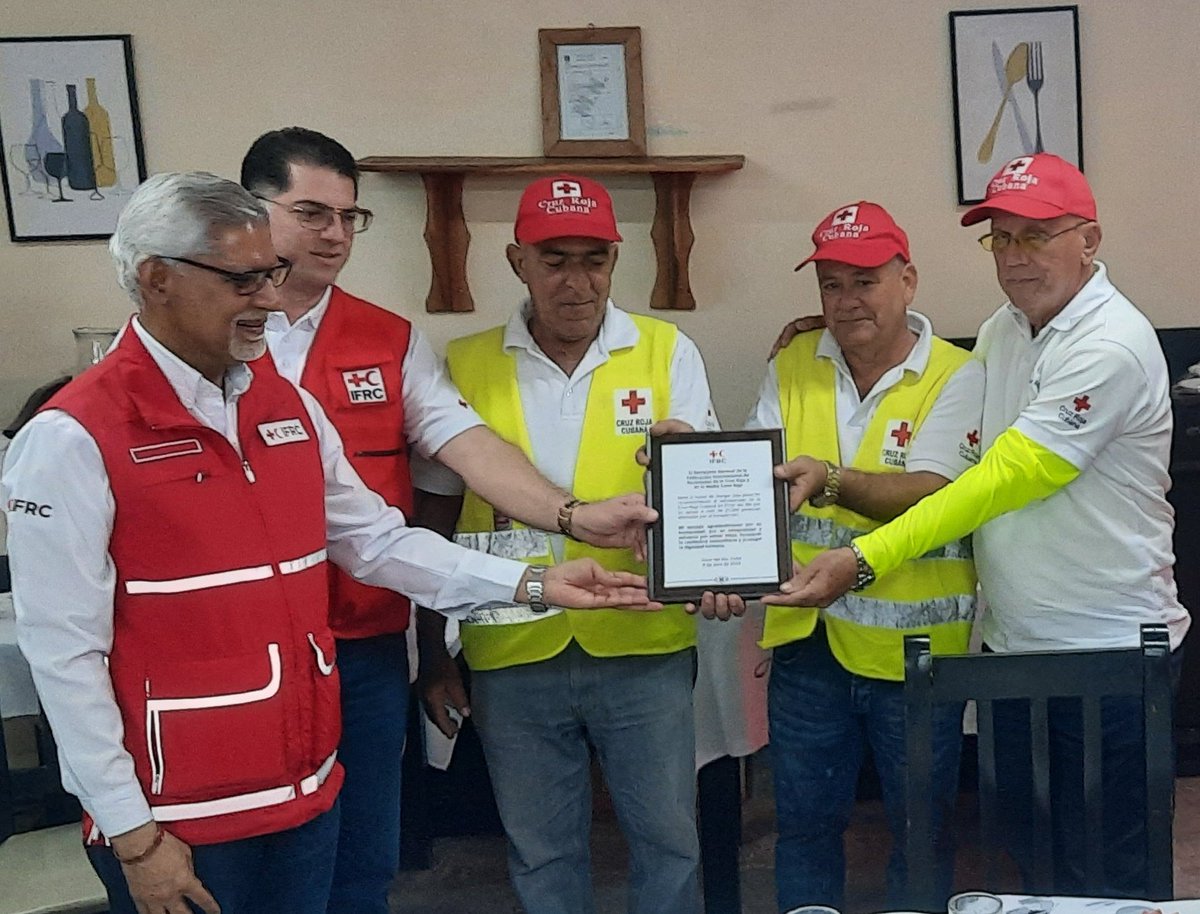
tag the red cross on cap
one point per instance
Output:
(632, 402)
(565, 187)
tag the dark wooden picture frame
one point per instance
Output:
(628, 137)
(68, 167)
(1015, 76)
(656, 575)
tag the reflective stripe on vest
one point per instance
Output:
(934, 594)
(487, 377)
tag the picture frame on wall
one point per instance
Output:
(71, 148)
(592, 94)
(1017, 91)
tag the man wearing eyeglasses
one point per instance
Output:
(386, 392)
(171, 517)
(1068, 503)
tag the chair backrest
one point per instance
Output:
(1088, 676)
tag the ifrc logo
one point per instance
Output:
(365, 385)
(896, 438)
(566, 189)
(716, 455)
(21, 506)
(633, 408)
(285, 431)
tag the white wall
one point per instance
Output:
(830, 102)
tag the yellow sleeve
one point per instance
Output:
(1013, 472)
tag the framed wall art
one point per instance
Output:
(1016, 88)
(70, 135)
(592, 103)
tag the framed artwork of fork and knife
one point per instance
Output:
(1015, 76)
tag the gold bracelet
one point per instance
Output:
(144, 855)
(564, 516)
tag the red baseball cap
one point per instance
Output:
(861, 234)
(565, 207)
(1040, 186)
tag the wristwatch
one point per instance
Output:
(865, 574)
(535, 588)
(833, 487)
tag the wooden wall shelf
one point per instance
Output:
(447, 237)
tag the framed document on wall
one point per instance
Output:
(722, 515)
(592, 92)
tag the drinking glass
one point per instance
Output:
(56, 167)
(975, 903)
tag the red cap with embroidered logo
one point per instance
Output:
(565, 207)
(861, 234)
(1040, 186)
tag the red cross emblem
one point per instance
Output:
(1082, 403)
(632, 402)
(270, 433)
(902, 435)
(844, 215)
(973, 438)
(358, 379)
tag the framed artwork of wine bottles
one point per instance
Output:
(70, 135)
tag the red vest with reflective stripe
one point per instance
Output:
(222, 658)
(353, 370)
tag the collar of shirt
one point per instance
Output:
(278, 324)
(198, 395)
(915, 361)
(617, 331)
(1095, 292)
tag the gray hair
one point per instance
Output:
(177, 214)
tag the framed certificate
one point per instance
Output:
(592, 92)
(722, 515)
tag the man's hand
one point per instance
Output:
(794, 329)
(827, 577)
(806, 477)
(164, 881)
(584, 584)
(441, 689)
(662, 427)
(721, 606)
(616, 523)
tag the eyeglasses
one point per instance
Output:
(318, 216)
(247, 282)
(1030, 242)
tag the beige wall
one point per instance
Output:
(829, 101)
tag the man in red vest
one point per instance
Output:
(385, 391)
(171, 515)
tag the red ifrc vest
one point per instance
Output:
(353, 370)
(222, 659)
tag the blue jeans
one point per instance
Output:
(374, 674)
(536, 722)
(285, 873)
(820, 718)
(1123, 777)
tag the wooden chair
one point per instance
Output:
(1039, 676)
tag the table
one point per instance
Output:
(17, 695)
(1062, 904)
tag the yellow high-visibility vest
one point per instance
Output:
(634, 384)
(934, 594)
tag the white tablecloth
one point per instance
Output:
(17, 696)
(1059, 904)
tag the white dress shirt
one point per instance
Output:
(63, 574)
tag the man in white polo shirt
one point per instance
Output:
(575, 382)
(1073, 529)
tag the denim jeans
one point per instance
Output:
(285, 873)
(374, 675)
(536, 722)
(820, 718)
(1123, 777)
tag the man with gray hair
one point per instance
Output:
(171, 514)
